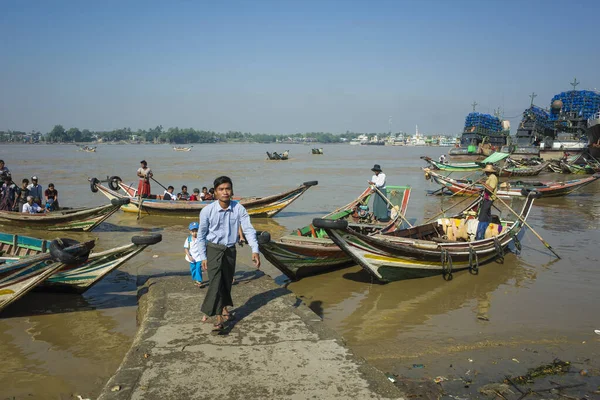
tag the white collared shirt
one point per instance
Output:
(379, 180)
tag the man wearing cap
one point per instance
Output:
(144, 173)
(218, 234)
(380, 208)
(489, 195)
(35, 190)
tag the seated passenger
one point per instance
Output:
(31, 207)
(196, 195)
(51, 195)
(184, 195)
(168, 195)
(210, 195)
(204, 193)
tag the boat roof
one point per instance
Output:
(495, 157)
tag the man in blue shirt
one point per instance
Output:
(218, 235)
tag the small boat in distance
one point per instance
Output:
(182, 148)
(317, 151)
(277, 156)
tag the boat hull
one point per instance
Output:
(256, 206)
(305, 253)
(392, 257)
(71, 220)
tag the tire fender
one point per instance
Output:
(147, 239)
(113, 182)
(311, 183)
(119, 202)
(330, 223)
(93, 183)
(263, 237)
(59, 253)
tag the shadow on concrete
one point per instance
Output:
(254, 303)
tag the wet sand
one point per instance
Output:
(537, 307)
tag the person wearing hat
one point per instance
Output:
(144, 173)
(380, 208)
(35, 190)
(489, 195)
(193, 254)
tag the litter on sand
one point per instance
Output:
(418, 366)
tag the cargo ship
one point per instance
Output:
(593, 134)
(569, 114)
(533, 128)
(482, 135)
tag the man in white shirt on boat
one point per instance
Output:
(380, 207)
(32, 208)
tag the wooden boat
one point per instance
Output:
(20, 275)
(75, 219)
(507, 172)
(34, 263)
(87, 149)
(308, 251)
(317, 151)
(462, 187)
(276, 156)
(183, 148)
(267, 206)
(423, 250)
(466, 166)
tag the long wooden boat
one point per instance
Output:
(183, 148)
(507, 172)
(466, 166)
(579, 169)
(20, 275)
(267, 206)
(32, 263)
(308, 251)
(423, 250)
(76, 219)
(462, 187)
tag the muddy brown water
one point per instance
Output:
(531, 308)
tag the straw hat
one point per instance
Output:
(489, 168)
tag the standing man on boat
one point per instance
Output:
(35, 190)
(489, 195)
(144, 173)
(3, 170)
(218, 235)
(380, 208)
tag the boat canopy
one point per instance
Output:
(494, 158)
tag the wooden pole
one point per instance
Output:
(529, 226)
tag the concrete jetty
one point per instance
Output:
(276, 348)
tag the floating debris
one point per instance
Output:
(517, 361)
(418, 366)
(115, 388)
(556, 367)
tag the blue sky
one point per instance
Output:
(287, 66)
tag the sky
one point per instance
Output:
(288, 66)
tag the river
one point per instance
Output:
(531, 308)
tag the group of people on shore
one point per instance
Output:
(145, 174)
(29, 197)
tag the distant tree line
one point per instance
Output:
(176, 135)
